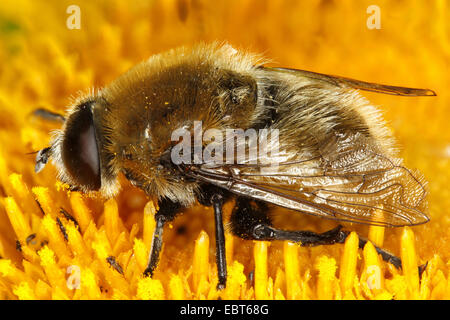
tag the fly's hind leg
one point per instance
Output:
(250, 220)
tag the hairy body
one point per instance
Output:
(335, 157)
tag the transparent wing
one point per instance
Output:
(356, 84)
(355, 185)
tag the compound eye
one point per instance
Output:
(80, 151)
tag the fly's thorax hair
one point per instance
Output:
(214, 84)
(208, 81)
(77, 149)
(310, 113)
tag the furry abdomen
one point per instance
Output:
(309, 114)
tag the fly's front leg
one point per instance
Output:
(166, 213)
(155, 250)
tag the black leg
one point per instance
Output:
(217, 202)
(209, 195)
(166, 213)
(310, 239)
(250, 220)
(155, 250)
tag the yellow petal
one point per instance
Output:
(372, 276)
(55, 275)
(56, 238)
(201, 261)
(409, 262)
(141, 254)
(260, 274)
(292, 270)
(45, 201)
(81, 211)
(112, 220)
(326, 279)
(347, 269)
(150, 289)
(176, 288)
(24, 291)
(18, 220)
(235, 280)
(376, 233)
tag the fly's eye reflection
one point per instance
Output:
(80, 153)
(336, 160)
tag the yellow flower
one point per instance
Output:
(57, 244)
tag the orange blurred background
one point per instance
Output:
(44, 63)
